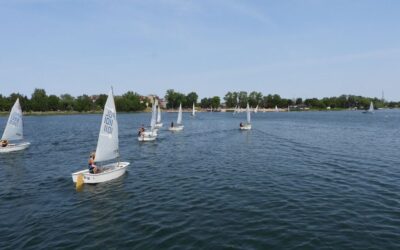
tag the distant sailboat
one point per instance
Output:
(193, 111)
(288, 108)
(276, 109)
(247, 126)
(237, 107)
(14, 130)
(256, 110)
(107, 149)
(152, 134)
(159, 124)
(370, 110)
(178, 126)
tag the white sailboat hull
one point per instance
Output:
(246, 127)
(148, 136)
(111, 171)
(14, 147)
(159, 125)
(176, 128)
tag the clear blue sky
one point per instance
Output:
(297, 48)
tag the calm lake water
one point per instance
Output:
(309, 180)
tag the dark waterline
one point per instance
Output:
(314, 180)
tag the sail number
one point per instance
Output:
(108, 122)
(14, 120)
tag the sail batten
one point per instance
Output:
(14, 127)
(107, 144)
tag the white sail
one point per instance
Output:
(193, 111)
(107, 145)
(256, 109)
(248, 114)
(14, 127)
(159, 114)
(276, 109)
(371, 107)
(153, 115)
(179, 120)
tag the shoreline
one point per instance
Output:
(53, 113)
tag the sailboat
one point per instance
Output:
(152, 134)
(236, 110)
(107, 149)
(288, 108)
(370, 110)
(193, 111)
(159, 124)
(14, 130)
(276, 109)
(256, 110)
(246, 126)
(178, 126)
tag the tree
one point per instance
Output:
(101, 101)
(215, 102)
(171, 97)
(24, 101)
(243, 99)
(276, 100)
(83, 103)
(255, 98)
(67, 102)
(130, 101)
(3, 103)
(39, 100)
(54, 103)
(314, 103)
(191, 98)
(230, 100)
(175, 98)
(205, 103)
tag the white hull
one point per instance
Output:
(158, 125)
(112, 171)
(246, 127)
(14, 147)
(176, 128)
(148, 136)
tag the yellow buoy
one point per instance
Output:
(79, 182)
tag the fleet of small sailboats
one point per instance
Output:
(107, 149)
(108, 143)
(13, 133)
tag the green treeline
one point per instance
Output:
(232, 99)
(132, 101)
(175, 98)
(40, 101)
